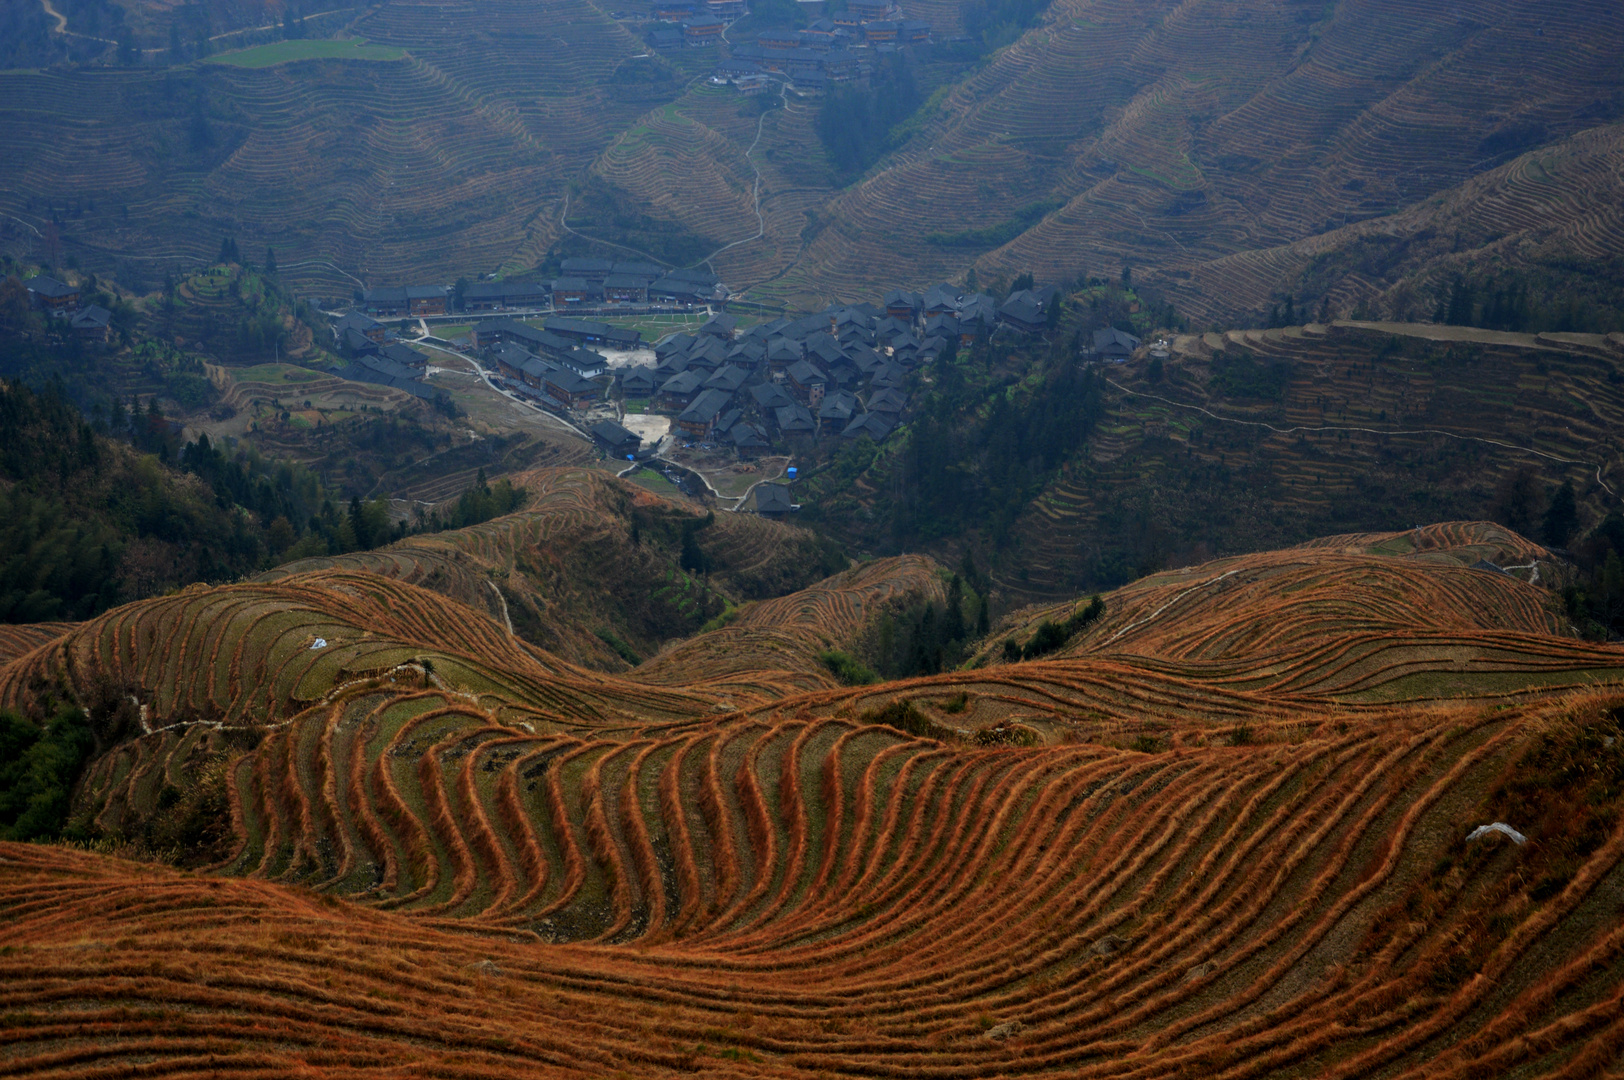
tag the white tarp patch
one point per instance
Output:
(319, 643)
(1498, 827)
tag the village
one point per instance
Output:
(841, 48)
(731, 394)
(726, 391)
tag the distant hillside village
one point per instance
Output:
(91, 323)
(839, 49)
(840, 373)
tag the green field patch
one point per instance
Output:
(285, 52)
(654, 482)
(275, 373)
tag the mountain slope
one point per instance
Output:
(512, 873)
(1211, 146)
(590, 553)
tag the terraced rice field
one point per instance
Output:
(1374, 424)
(441, 866)
(1220, 151)
(1357, 153)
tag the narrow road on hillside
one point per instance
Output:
(485, 377)
(62, 25)
(761, 221)
(563, 223)
(276, 26)
(738, 500)
(1304, 430)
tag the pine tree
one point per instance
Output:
(270, 260)
(1562, 516)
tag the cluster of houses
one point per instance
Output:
(842, 372)
(374, 356)
(552, 365)
(818, 56)
(58, 299)
(839, 373)
(599, 282)
(582, 283)
(833, 50)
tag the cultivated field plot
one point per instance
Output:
(283, 52)
(1181, 845)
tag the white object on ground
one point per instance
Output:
(319, 643)
(1498, 827)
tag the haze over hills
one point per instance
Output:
(1355, 155)
(1224, 826)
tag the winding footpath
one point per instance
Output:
(761, 220)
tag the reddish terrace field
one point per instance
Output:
(1221, 832)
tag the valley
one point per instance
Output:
(828, 539)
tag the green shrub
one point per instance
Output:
(625, 651)
(847, 668)
(906, 717)
(38, 769)
(1053, 635)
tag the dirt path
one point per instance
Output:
(737, 500)
(563, 223)
(62, 25)
(761, 220)
(484, 376)
(272, 26)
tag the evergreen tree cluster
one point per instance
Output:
(927, 638)
(1052, 635)
(1515, 304)
(75, 495)
(856, 125)
(38, 768)
(479, 503)
(1595, 602)
(976, 455)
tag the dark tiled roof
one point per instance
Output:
(728, 378)
(838, 406)
(772, 499)
(706, 407)
(795, 418)
(875, 425)
(50, 287)
(613, 434)
(685, 382)
(403, 355)
(805, 373)
(640, 377)
(770, 396)
(571, 383)
(747, 437)
(94, 317)
(357, 320)
(1114, 340)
